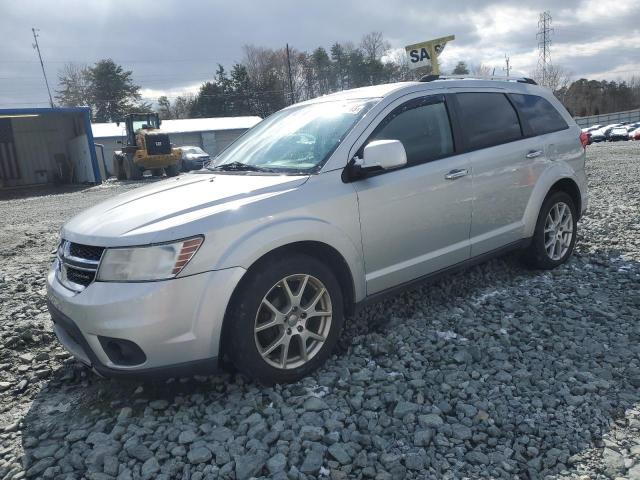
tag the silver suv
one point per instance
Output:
(322, 206)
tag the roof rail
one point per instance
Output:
(431, 78)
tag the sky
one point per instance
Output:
(172, 46)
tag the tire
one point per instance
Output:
(291, 326)
(172, 170)
(132, 171)
(538, 255)
(117, 165)
(156, 172)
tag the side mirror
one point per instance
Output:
(384, 154)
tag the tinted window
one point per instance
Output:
(487, 119)
(541, 116)
(423, 128)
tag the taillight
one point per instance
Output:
(584, 139)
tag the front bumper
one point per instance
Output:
(177, 323)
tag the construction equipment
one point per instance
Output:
(146, 148)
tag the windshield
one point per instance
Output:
(295, 140)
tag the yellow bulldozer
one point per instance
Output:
(146, 147)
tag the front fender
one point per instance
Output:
(554, 173)
(257, 242)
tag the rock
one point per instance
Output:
(338, 452)
(46, 451)
(277, 463)
(150, 467)
(430, 420)
(613, 462)
(404, 408)
(158, 404)
(40, 466)
(75, 435)
(422, 438)
(312, 462)
(314, 404)
(248, 466)
(139, 452)
(187, 436)
(461, 432)
(476, 457)
(199, 455)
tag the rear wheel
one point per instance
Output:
(133, 172)
(555, 235)
(172, 170)
(285, 320)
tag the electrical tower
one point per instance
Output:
(37, 47)
(544, 45)
(508, 66)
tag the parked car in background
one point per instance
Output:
(618, 133)
(194, 158)
(634, 134)
(607, 130)
(596, 136)
(323, 207)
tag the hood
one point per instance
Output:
(163, 211)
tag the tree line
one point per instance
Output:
(267, 79)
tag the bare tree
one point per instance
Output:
(374, 46)
(74, 85)
(481, 70)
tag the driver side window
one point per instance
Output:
(423, 127)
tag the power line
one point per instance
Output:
(37, 47)
(544, 45)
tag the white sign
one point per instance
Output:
(420, 54)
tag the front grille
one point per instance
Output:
(87, 252)
(77, 264)
(80, 277)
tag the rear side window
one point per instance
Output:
(487, 119)
(541, 116)
(423, 127)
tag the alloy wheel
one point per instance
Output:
(293, 321)
(558, 231)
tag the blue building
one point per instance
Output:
(47, 146)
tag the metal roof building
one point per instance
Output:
(210, 134)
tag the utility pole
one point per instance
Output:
(544, 45)
(37, 47)
(292, 99)
(507, 68)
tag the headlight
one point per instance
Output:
(155, 262)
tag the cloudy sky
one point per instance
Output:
(174, 45)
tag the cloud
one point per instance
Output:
(174, 45)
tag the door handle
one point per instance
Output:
(457, 173)
(534, 154)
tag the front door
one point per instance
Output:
(415, 220)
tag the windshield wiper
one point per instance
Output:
(238, 167)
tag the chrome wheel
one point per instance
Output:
(293, 321)
(558, 231)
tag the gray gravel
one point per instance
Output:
(497, 372)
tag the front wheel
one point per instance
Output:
(132, 171)
(555, 235)
(172, 170)
(285, 320)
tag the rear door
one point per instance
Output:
(505, 165)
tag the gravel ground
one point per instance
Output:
(497, 372)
